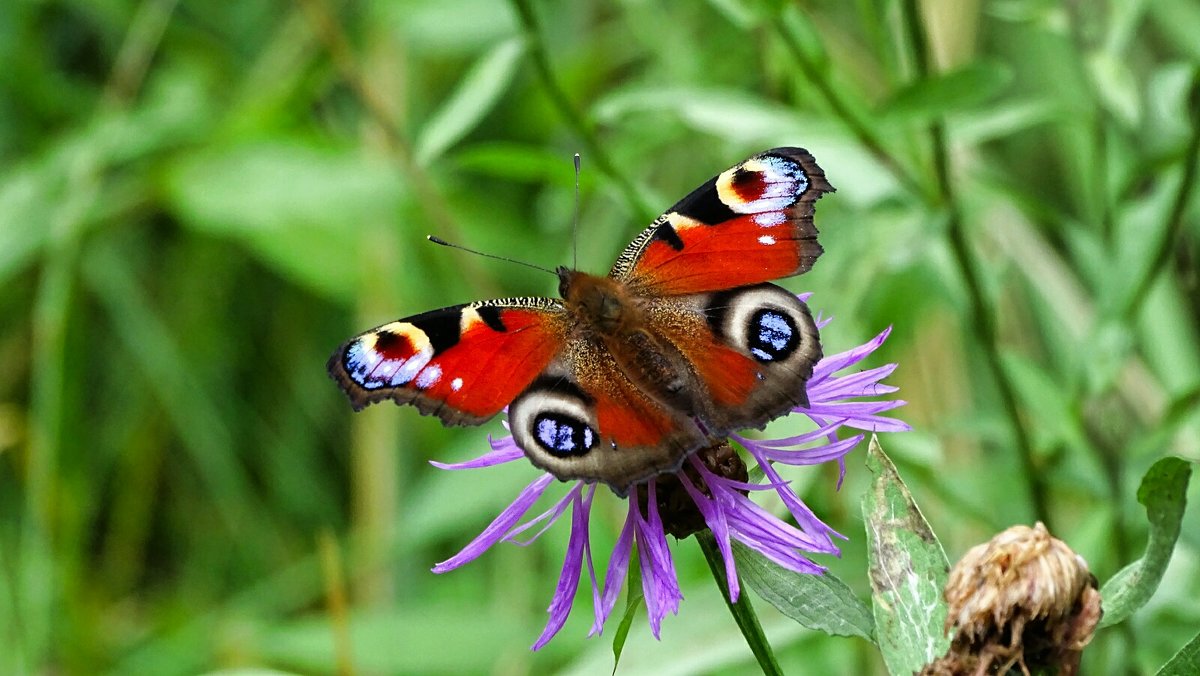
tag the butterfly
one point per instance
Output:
(620, 379)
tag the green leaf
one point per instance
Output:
(292, 204)
(633, 603)
(1186, 662)
(473, 99)
(1164, 494)
(631, 610)
(1117, 87)
(943, 93)
(820, 602)
(908, 571)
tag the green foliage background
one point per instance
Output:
(198, 201)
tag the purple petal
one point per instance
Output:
(806, 456)
(618, 566)
(752, 519)
(864, 383)
(804, 516)
(659, 584)
(496, 529)
(587, 551)
(805, 438)
(552, 514)
(497, 456)
(715, 518)
(568, 579)
(841, 360)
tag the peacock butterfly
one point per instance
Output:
(625, 375)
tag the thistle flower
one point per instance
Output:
(710, 491)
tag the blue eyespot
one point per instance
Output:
(563, 435)
(772, 335)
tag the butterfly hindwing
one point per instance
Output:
(463, 363)
(750, 351)
(585, 419)
(752, 223)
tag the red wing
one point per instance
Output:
(584, 419)
(463, 363)
(752, 223)
(752, 350)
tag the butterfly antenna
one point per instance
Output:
(439, 240)
(575, 229)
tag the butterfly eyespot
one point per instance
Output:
(563, 435)
(772, 335)
(554, 421)
(767, 322)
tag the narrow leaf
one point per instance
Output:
(966, 88)
(1186, 662)
(908, 571)
(618, 646)
(633, 603)
(474, 98)
(820, 602)
(1164, 494)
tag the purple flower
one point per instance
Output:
(710, 491)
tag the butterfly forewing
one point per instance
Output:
(463, 363)
(750, 224)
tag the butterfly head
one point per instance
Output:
(603, 303)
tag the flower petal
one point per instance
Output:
(568, 579)
(501, 453)
(499, 526)
(618, 566)
(841, 360)
(710, 508)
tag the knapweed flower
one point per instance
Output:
(710, 491)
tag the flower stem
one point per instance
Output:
(743, 613)
(983, 320)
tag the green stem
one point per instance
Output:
(982, 318)
(567, 110)
(743, 613)
(841, 109)
(1187, 185)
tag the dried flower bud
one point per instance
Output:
(1023, 599)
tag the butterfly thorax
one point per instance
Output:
(605, 308)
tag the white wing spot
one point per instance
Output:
(766, 240)
(769, 219)
(429, 376)
(456, 384)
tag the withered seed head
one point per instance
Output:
(1022, 599)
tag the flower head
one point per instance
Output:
(710, 491)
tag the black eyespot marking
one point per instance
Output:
(705, 205)
(563, 435)
(718, 308)
(666, 232)
(772, 335)
(440, 326)
(491, 316)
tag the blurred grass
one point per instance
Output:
(198, 202)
